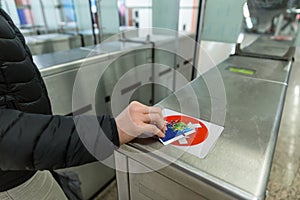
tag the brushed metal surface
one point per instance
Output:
(122, 179)
(266, 47)
(265, 69)
(240, 162)
(48, 43)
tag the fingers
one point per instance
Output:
(153, 129)
(138, 107)
(155, 119)
(151, 118)
(156, 110)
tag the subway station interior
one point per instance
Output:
(232, 63)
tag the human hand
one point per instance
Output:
(136, 119)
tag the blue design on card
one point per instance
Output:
(175, 128)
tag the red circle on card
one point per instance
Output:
(195, 138)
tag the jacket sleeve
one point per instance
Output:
(38, 142)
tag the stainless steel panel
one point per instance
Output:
(265, 69)
(183, 75)
(113, 46)
(47, 43)
(164, 60)
(185, 60)
(62, 58)
(143, 59)
(60, 83)
(117, 68)
(154, 186)
(266, 47)
(60, 88)
(184, 70)
(164, 178)
(262, 48)
(86, 36)
(176, 53)
(121, 176)
(239, 164)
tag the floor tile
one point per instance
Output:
(284, 180)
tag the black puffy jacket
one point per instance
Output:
(30, 137)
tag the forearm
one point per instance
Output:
(33, 141)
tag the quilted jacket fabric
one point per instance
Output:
(30, 137)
